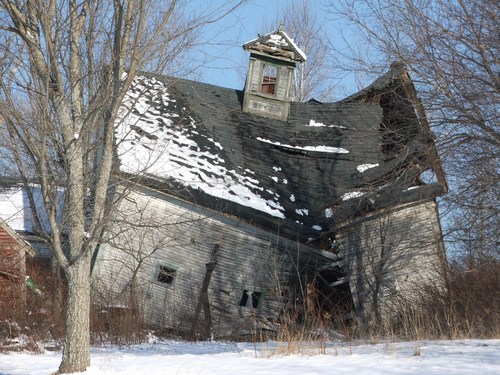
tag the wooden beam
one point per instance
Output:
(332, 265)
(203, 300)
(340, 281)
(435, 161)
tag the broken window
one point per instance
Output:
(166, 274)
(269, 75)
(251, 298)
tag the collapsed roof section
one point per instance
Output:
(327, 163)
(407, 145)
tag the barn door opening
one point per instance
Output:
(334, 298)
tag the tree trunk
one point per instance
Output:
(76, 352)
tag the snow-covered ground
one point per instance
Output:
(474, 357)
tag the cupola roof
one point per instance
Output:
(277, 44)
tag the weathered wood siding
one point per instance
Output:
(387, 256)
(12, 267)
(181, 236)
(275, 106)
(283, 83)
(254, 75)
(392, 255)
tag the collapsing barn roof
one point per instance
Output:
(328, 162)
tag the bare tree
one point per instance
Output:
(312, 78)
(66, 65)
(452, 51)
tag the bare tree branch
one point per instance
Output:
(67, 66)
(452, 50)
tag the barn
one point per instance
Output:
(13, 254)
(244, 208)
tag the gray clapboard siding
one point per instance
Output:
(391, 255)
(181, 236)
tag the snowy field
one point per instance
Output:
(474, 357)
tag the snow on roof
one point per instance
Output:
(364, 167)
(12, 202)
(320, 125)
(278, 39)
(193, 139)
(16, 211)
(351, 195)
(328, 212)
(327, 149)
(151, 144)
(295, 46)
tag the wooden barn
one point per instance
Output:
(13, 253)
(247, 208)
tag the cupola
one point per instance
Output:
(271, 73)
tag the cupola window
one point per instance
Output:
(269, 75)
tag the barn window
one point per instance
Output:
(251, 298)
(166, 274)
(269, 75)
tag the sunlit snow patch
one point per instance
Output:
(152, 143)
(351, 195)
(320, 124)
(363, 167)
(327, 149)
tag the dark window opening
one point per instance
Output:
(166, 275)
(269, 75)
(250, 298)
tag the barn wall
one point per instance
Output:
(390, 256)
(182, 237)
(12, 267)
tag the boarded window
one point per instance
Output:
(251, 298)
(269, 74)
(166, 274)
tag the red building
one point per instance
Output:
(13, 253)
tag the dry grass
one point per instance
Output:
(38, 322)
(37, 319)
(468, 307)
(117, 324)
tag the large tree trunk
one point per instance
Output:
(61, 53)
(76, 353)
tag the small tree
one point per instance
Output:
(312, 77)
(66, 65)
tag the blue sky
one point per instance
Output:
(225, 64)
(223, 61)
